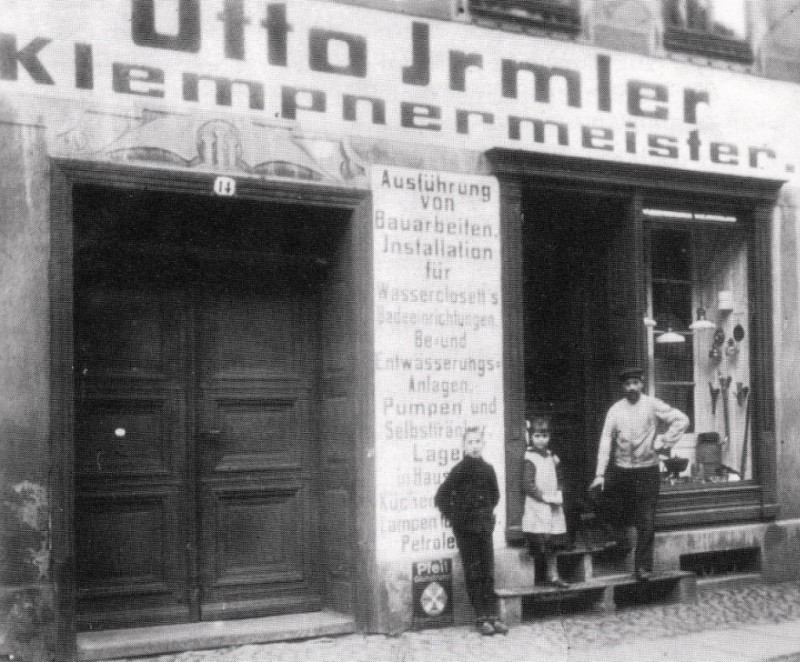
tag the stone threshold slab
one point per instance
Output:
(160, 639)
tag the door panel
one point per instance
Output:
(257, 358)
(132, 515)
(194, 435)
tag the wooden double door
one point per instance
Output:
(195, 438)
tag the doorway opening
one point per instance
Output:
(202, 330)
(571, 244)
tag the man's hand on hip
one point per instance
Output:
(599, 481)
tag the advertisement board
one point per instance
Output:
(438, 346)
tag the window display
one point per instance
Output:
(697, 342)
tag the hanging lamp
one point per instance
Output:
(670, 337)
(701, 322)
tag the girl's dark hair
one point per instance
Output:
(539, 424)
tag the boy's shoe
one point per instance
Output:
(641, 574)
(485, 628)
(558, 582)
(499, 626)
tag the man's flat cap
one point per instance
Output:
(631, 373)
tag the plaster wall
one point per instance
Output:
(786, 279)
(779, 543)
(26, 597)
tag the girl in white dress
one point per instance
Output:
(543, 522)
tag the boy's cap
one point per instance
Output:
(631, 373)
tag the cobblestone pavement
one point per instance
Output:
(553, 638)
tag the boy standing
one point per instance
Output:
(467, 498)
(634, 478)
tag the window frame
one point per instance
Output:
(549, 15)
(741, 232)
(755, 498)
(705, 41)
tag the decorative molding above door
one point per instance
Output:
(208, 144)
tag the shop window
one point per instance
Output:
(672, 309)
(698, 348)
(712, 28)
(552, 15)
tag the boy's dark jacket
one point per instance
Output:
(469, 494)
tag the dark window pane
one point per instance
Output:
(724, 17)
(673, 14)
(697, 14)
(672, 305)
(557, 15)
(674, 362)
(681, 397)
(671, 255)
(671, 260)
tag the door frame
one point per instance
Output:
(65, 174)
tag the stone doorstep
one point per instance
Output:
(160, 639)
(578, 564)
(602, 581)
(600, 589)
(736, 580)
(583, 563)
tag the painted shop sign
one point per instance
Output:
(329, 66)
(438, 346)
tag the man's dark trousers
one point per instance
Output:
(477, 555)
(629, 499)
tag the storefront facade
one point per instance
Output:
(265, 261)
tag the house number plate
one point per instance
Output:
(225, 186)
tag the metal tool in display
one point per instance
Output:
(715, 353)
(725, 383)
(714, 396)
(741, 393)
(743, 460)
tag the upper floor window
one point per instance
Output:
(553, 15)
(714, 28)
